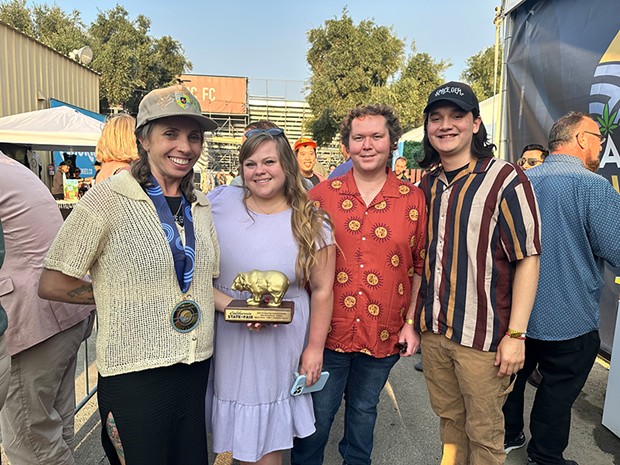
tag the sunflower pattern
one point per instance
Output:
(354, 225)
(342, 277)
(348, 302)
(374, 310)
(381, 246)
(346, 205)
(381, 232)
(395, 259)
(384, 333)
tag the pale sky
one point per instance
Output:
(267, 40)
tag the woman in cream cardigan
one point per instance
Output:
(149, 242)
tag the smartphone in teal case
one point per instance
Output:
(299, 386)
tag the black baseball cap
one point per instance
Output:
(458, 93)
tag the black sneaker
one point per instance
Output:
(515, 443)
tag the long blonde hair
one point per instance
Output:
(307, 220)
(118, 141)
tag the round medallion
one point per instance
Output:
(185, 316)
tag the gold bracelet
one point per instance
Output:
(515, 334)
(409, 321)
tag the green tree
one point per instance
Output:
(59, 30)
(347, 61)
(355, 64)
(418, 77)
(130, 61)
(414, 153)
(121, 50)
(48, 24)
(18, 15)
(480, 71)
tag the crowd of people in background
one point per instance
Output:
(492, 271)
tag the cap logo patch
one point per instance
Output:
(449, 90)
(182, 100)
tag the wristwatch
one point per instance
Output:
(514, 334)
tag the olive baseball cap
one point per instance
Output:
(175, 100)
(458, 93)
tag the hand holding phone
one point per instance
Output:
(299, 386)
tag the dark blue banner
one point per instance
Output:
(564, 55)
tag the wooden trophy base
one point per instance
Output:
(238, 311)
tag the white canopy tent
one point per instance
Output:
(59, 128)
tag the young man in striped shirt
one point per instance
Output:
(479, 278)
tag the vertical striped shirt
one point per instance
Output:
(479, 225)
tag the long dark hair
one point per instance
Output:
(141, 170)
(480, 145)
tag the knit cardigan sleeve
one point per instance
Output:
(78, 242)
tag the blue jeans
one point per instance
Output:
(360, 378)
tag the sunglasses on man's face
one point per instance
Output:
(274, 132)
(529, 161)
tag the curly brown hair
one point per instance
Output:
(391, 120)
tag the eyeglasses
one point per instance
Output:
(274, 132)
(601, 137)
(530, 161)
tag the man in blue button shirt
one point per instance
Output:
(579, 213)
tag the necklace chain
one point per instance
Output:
(272, 210)
(178, 219)
(179, 209)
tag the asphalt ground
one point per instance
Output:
(407, 429)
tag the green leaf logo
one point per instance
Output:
(607, 121)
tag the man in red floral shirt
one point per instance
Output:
(380, 226)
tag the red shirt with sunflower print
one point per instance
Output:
(380, 246)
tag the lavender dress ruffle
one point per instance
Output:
(249, 407)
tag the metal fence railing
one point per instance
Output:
(83, 375)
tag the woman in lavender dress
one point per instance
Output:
(269, 223)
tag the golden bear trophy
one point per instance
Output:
(265, 304)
